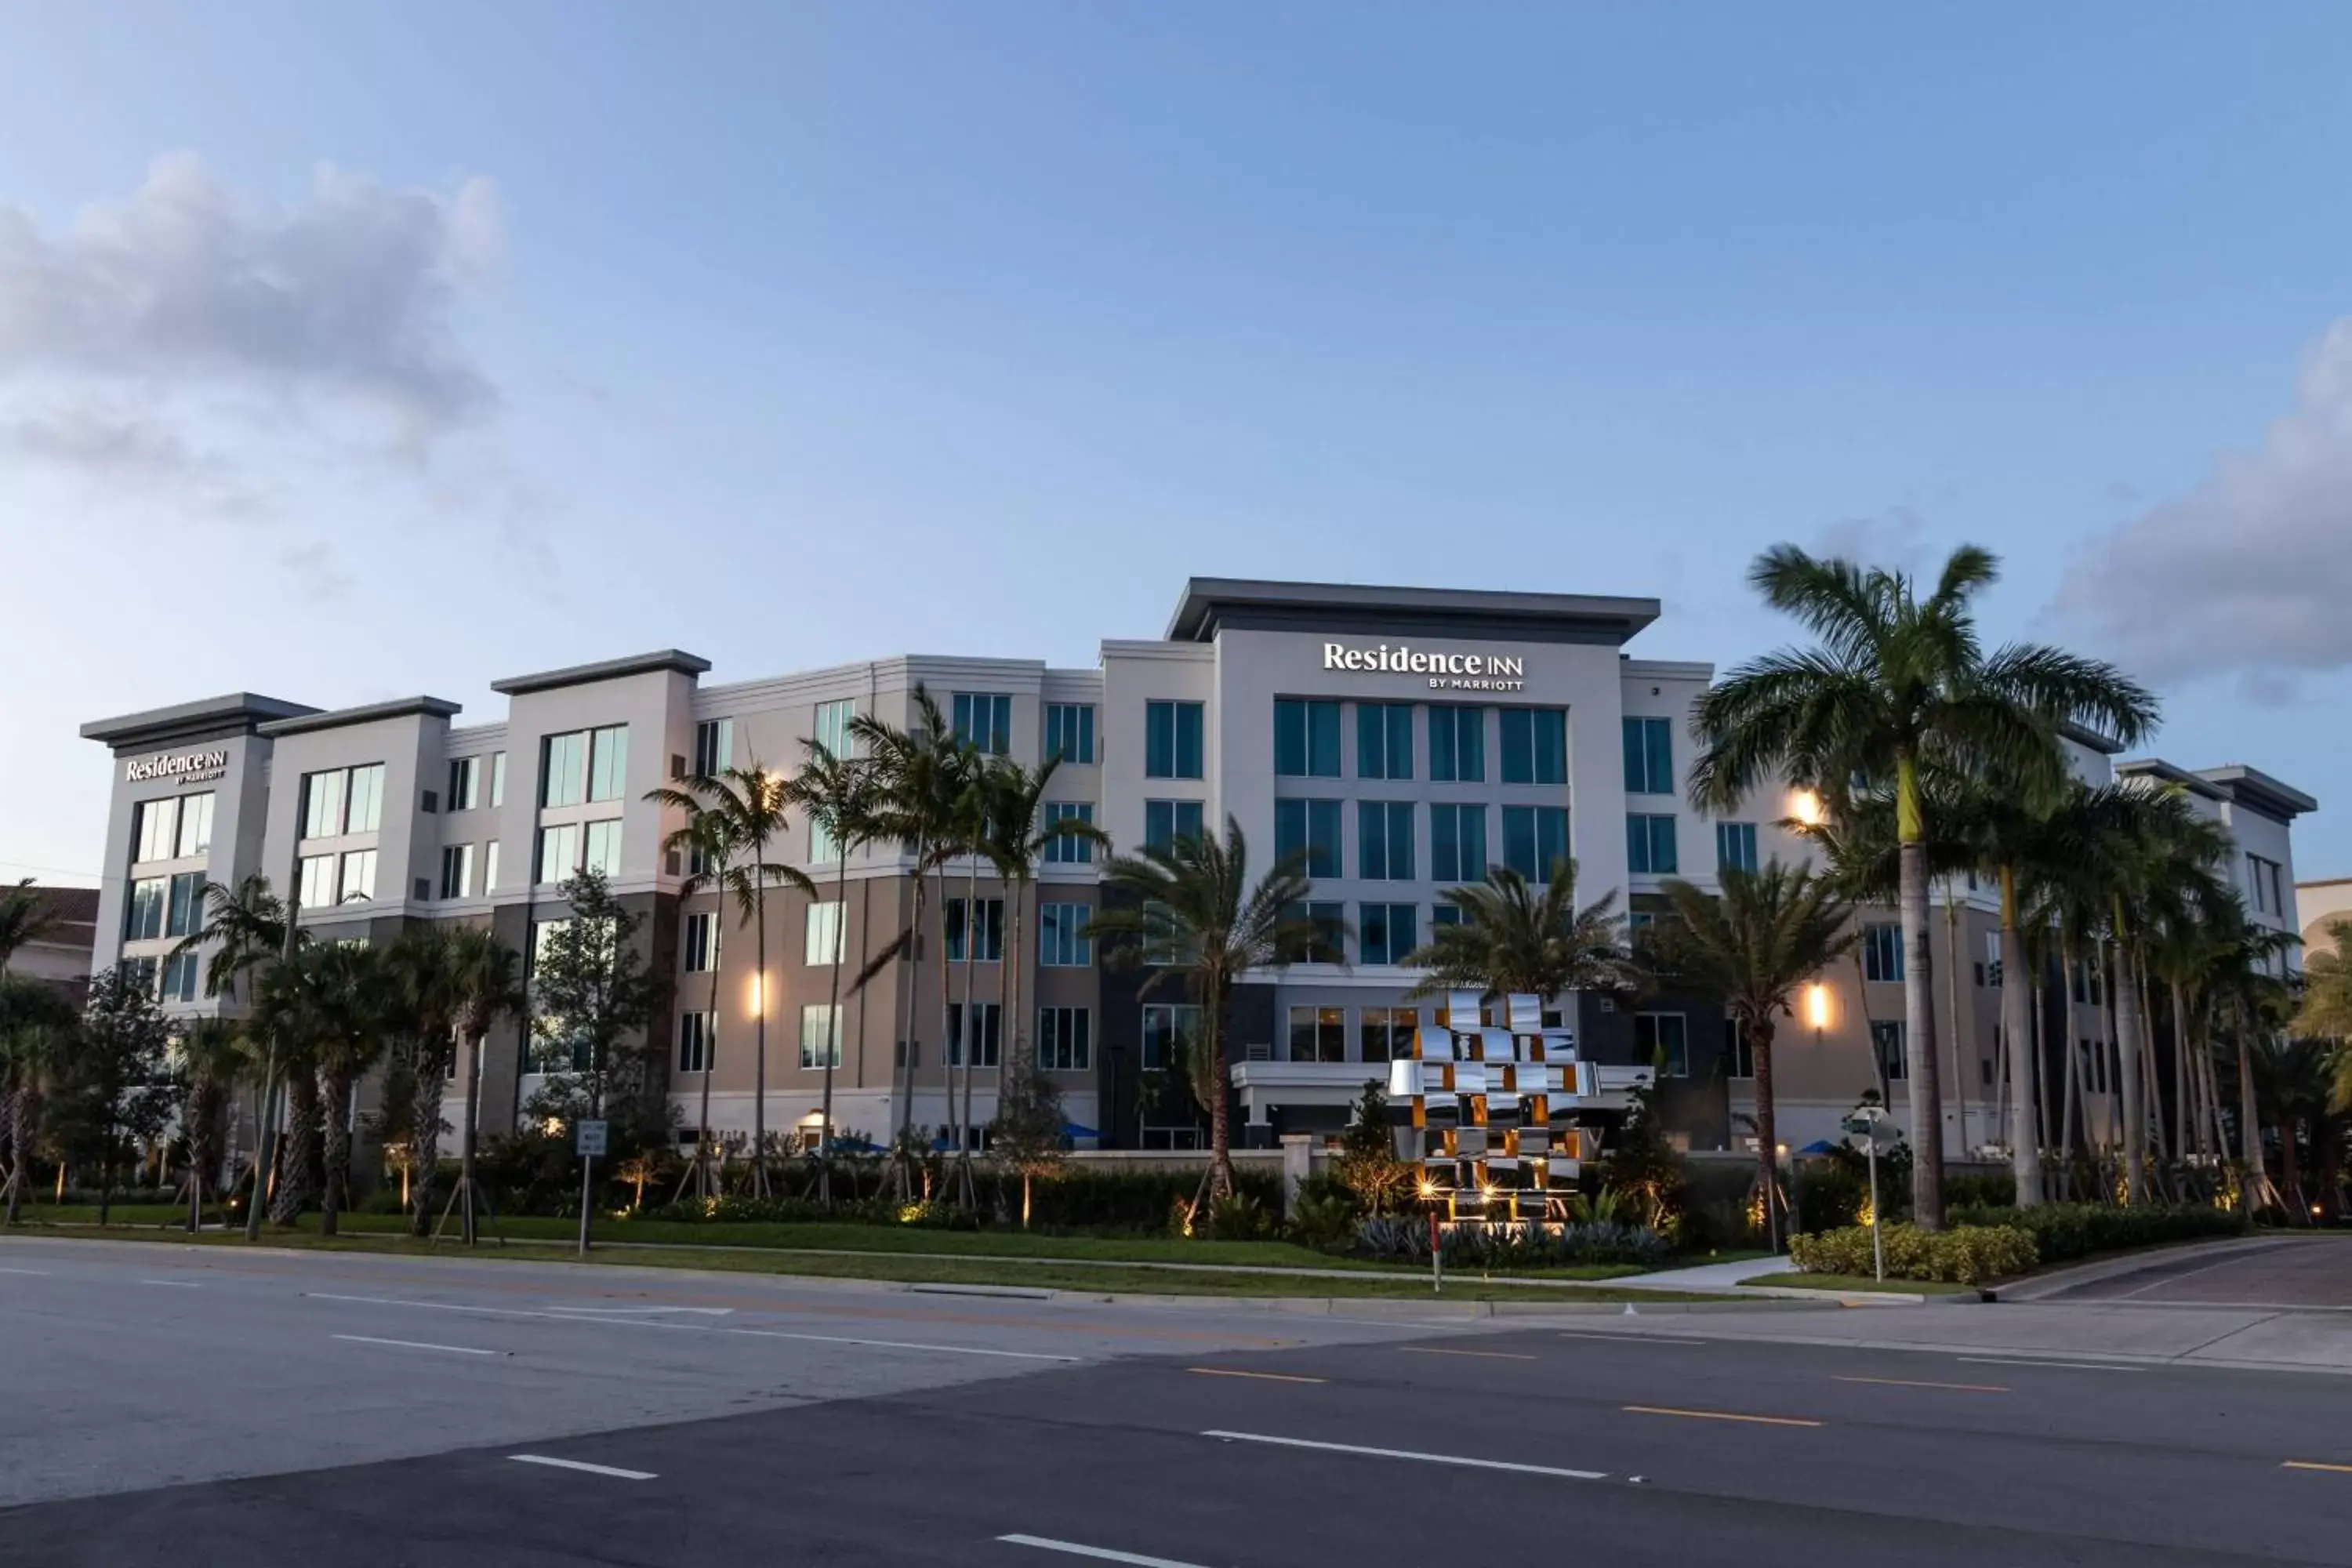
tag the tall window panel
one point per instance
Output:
(822, 935)
(1070, 731)
(456, 870)
(1882, 953)
(1535, 745)
(1311, 828)
(1065, 1039)
(602, 848)
(1662, 1039)
(465, 782)
(139, 974)
(833, 731)
(314, 881)
(1457, 744)
(1061, 940)
(142, 919)
(714, 747)
(181, 974)
(1384, 841)
(1384, 740)
(154, 830)
(355, 880)
(1649, 756)
(195, 834)
(1739, 1054)
(984, 721)
(1166, 820)
(989, 928)
(983, 1035)
(563, 768)
(322, 804)
(1318, 1034)
(1306, 739)
(1167, 1028)
(1888, 1042)
(1173, 740)
(699, 943)
(1735, 845)
(1385, 933)
(184, 910)
(1329, 919)
(1069, 848)
(1534, 839)
(489, 868)
(694, 1041)
(1650, 846)
(819, 1034)
(498, 779)
(1457, 842)
(608, 762)
(558, 853)
(1385, 1034)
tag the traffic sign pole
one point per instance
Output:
(588, 1139)
(1877, 1243)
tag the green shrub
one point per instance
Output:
(1404, 1238)
(1966, 1255)
(1980, 1189)
(1135, 1203)
(1323, 1219)
(1831, 1194)
(2065, 1231)
(1240, 1217)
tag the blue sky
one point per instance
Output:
(609, 328)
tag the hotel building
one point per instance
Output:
(1401, 740)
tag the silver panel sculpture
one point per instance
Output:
(1489, 1113)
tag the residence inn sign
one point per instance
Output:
(187, 767)
(1447, 671)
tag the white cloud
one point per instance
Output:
(342, 304)
(2249, 574)
(1895, 539)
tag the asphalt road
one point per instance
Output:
(2290, 1273)
(1197, 1438)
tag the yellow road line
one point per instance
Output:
(1261, 1376)
(1907, 1382)
(1482, 1355)
(1718, 1415)
(2315, 1465)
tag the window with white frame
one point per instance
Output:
(1384, 841)
(181, 972)
(342, 800)
(1649, 756)
(1650, 845)
(153, 828)
(833, 731)
(489, 868)
(1457, 744)
(694, 1042)
(1457, 842)
(1070, 731)
(1882, 951)
(1069, 848)
(984, 721)
(355, 882)
(195, 834)
(1061, 942)
(314, 881)
(1739, 1057)
(498, 779)
(1308, 830)
(821, 936)
(602, 848)
(143, 913)
(1172, 747)
(819, 1034)
(1384, 740)
(699, 943)
(456, 870)
(1386, 933)
(714, 747)
(1167, 1026)
(559, 852)
(1735, 845)
(1065, 1039)
(465, 782)
(990, 946)
(581, 765)
(984, 1037)
(183, 905)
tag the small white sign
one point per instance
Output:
(588, 1139)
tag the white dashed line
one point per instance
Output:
(1408, 1454)
(613, 1470)
(2032, 1361)
(1099, 1553)
(174, 1284)
(414, 1344)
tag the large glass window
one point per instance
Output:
(143, 915)
(1457, 842)
(1166, 820)
(820, 1036)
(559, 852)
(1735, 845)
(984, 1037)
(1318, 1034)
(195, 835)
(1165, 1025)
(1070, 731)
(315, 881)
(984, 721)
(694, 1040)
(602, 848)
(1739, 1056)
(1535, 745)
(355, 883)
(183, 913)
(1649, 756)
(489, 868)
(365, 810)
(465, 782)
(1172, 740)
(1065, 1039)
(1650, 846)
(181, 971)
(1306, 739)
(154, 830)
(498, 779)
(1062, 942)
(1385, 933)
(1069, 848)
(1662, 1039)
(821, 935)
(1888, 1042)
(1457, 744)
(698, 946)
(139, 974)
(714, 747)
(1385, 1034)
(322, 804)
(458, 871)
(990, 947)
(1384, 841)
(564, 769)
(1882, 953)
(608, 762)
(1309, 828)
(1329, 942)
(1383, 741)
(832, 727)
(1535, 837)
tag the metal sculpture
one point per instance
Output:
(1490, 1112)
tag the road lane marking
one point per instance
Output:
(2032, 1361)
(1460, 1459)
(413, 1344)
(1261, 1376)
(644, 1311)
(1907, 1383)
(1100, 1553)
(691, 1327)
(1637, 1339)
(613, 1470)
(174, 1284)
(43, 1273)
(1482, 1355)
(2316, 1465)
(1719, 1415)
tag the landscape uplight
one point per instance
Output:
(1806, 808)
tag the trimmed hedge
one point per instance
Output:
(1967, 1254)
(2062, 1232)
(1404, 1238)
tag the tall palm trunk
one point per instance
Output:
(298, 1151)
(703, 1175)
(476, 1049)
(2291, 1170)
(965, 1196)
(2040, 1048)
(2151, 1082)
(2184, 1084)
(1016, 1067)
(958, 1043)
(23, 1112)
(2071, 1111)
(1218, 989)
(904, 1072)
(1961, 1033)
(1767, 1148)
(2250, 1128)
(760, 1025)
(335, 1092)
(833, 1030)
(2017, 995)
(424, 1149)
(207, 1097)
(2130, 1033)
(1919, 1007)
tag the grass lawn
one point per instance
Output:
(1850, 1283)
(1142, 1280)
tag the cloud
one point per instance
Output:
(316, 571)
(2247, 576)
(90, 439)
(1895, 538)
(342, 303)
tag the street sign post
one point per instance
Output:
(588, 1143)
(1873, 1127)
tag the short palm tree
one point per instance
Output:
(711, 861)
(290, 1013)
(35, 1020)
(249, 927)
(1898, 683)
(212, 1057)
(25, 915)
(1189, 910)
(1019, 835)
(1514, 938)
(2326, 1010)
(422, 974)
(2293, 1088)
(1766, 933)
(750, 809)
(486, 978)
(842, 797)
(347, 1008)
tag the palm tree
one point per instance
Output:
(749, 810)
(340, 998)
(1514, 939)
(423, 976)
(2293, 1088)
(842, 797)
(711, 863)
(25, 915)
(1766, 932)
(287, 1011)
(1020, 836)
(212, 1057)
(250, 928)
(35, 1019)
(486, 983)
(2326, 1010)
(1899, 683)
(1189, 908)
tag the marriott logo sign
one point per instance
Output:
(185, 767)
(1447, 671)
